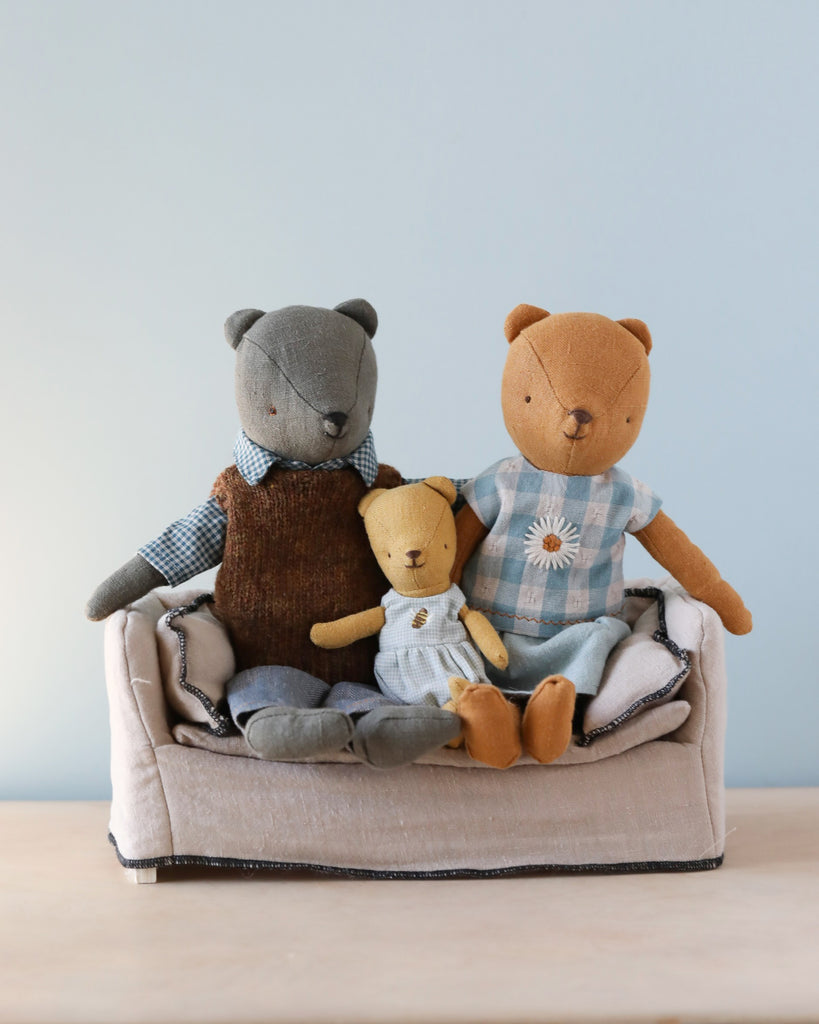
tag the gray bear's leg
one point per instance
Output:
(391, 736)
(278, 709)
(388, 734)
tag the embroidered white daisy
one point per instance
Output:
(552, 543)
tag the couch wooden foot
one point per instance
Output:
(141, 875)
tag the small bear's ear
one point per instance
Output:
(368, 499)
(443, 485)
(238, 323)
(520, 318)
(362, 312)
(640, 332)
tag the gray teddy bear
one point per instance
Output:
(282, 524)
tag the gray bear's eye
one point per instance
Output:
(272, 410)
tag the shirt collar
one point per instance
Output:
(253, 461)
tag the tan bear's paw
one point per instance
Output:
(727, 603)
(547, 721)
(491, 725)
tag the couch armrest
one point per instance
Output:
(705, 690)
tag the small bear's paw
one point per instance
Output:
(491, 725)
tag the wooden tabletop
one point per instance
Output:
(80, 943)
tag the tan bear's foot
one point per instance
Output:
(491, 725)
(547, 721)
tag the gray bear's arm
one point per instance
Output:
(185, 548)
(130, 582)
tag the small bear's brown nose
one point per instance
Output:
(581, 415)
(412, 554)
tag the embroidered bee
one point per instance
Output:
(420, 619)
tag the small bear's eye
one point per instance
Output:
(628, 419)
(272, 410)
(446, 547)
(389, 555)
(528, 398)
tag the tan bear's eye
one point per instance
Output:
(628, 419)
(528, 398)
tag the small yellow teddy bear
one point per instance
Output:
(424, 625)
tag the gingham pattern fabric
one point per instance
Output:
(253, 461)
(190, 545)
(422, 644)
(197, 542)
(502, 578)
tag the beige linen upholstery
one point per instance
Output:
(628, 801)
(196, 661)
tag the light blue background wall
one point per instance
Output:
(166, 163)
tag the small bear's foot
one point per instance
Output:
(286, 734)
(547, 721)
(389, 737)
(491, 725)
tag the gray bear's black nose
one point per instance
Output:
(334, 423)
(581, 415)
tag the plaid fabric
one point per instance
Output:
(554, 553)
(197, 542)
(190, 545)
(422, 644)
(253, 461)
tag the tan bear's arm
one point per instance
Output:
(485, 636)
(469, 532)
(342, 632)
(666, 542)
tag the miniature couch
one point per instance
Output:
(641, 789)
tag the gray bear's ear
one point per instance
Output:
(362, 312)
(238, 323)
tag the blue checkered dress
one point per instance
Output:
(197, 542)
(554, 553)
(422, 645)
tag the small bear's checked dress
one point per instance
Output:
(422, 644)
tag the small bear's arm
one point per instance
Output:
(469, 531)
(342, 632)
(485, 636)
(667, 543)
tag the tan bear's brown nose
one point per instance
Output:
(412, 554)
(581, 415)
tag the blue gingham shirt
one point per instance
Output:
(524, 508)
(197, 542)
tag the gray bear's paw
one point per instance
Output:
(287, 734)
(389, 737)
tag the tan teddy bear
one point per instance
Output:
(547, 527)
(424, 625)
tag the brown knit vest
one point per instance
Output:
(296, 552)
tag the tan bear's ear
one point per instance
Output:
(640, 332)
(520, 318)
(368, 499)
(443, 485)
